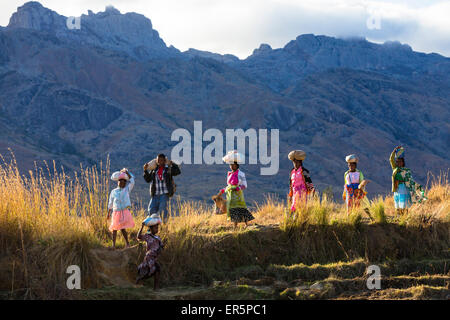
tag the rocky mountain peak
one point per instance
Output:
(130, 32)
(225, 58)
(397, 45)
(111, 10)
(263, 48)
(32, 15)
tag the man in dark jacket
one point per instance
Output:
(162, 185)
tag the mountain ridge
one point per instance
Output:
(130, 32)
(328, 96)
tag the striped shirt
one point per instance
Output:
(161, 187)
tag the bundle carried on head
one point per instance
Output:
(233, 157)
(297, 155)
(351, 158)
(119, 175)
(400, 153)
(152, 220)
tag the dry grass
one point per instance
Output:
(49, 220)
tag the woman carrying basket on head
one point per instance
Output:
(406, 190)
(300, 183)
(119, 205)
(353, 184)
(236, 208)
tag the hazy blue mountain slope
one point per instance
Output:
(113, 88)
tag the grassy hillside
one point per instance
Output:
(49, 221)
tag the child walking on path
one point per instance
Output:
(150, 266)
(119, 205)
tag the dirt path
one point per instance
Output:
(117, 267)
(428, 279)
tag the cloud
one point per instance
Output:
(238, 26)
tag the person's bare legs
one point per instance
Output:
(114, 236)
(156, 280)
(125, 236)
(349, 209)
(349, 206)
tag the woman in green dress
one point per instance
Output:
(406, 190)
(236, 208)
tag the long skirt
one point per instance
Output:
(240, 215)
(236, 207)
(402, 197)
(121, 220)
(300, 196)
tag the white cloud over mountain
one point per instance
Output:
(239, 26)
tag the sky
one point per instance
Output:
(239, 26)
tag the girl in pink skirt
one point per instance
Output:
(119, 205)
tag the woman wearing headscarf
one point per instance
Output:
(236, 208)
(300, 183)
(406, 190)
(353, 183)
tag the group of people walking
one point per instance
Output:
(301, 186)
(406, 190)
(160, 172)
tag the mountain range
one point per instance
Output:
(113, 88)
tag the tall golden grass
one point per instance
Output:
(49, 220)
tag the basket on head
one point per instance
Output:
(351, 158)
(297, 155)
(400, 153)
(232, 157)
(152, 220)
(118, 175)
